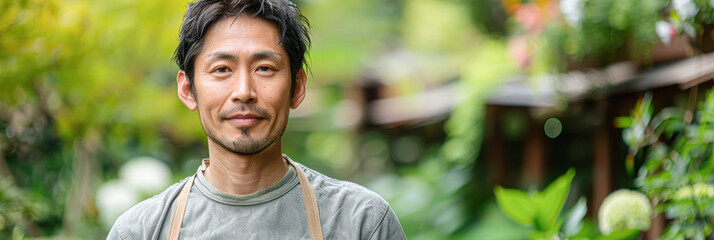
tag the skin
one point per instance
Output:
(242, 94)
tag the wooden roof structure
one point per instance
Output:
(615, 79)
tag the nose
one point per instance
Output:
(243, 88)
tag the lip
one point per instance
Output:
(244, 119)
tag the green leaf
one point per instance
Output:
(627, 234)
(589, 230)
(668, 120)
(552, 199)
(573, 220)
(543, 235)
(623, 122)
(18, 233)
(516, 204)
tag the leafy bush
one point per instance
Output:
(17, 210)
(676, 146)
(543, 213)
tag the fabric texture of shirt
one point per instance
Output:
(347, 211)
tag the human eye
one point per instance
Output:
(264, 69)
(222, 69)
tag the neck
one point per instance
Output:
(244, 174)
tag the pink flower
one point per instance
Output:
(518, 51)
(528, 16)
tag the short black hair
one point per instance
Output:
(202, 14)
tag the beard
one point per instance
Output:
(244, 143)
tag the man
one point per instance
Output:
(241, 67)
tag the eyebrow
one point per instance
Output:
(255, 56)
(266, 54)
(222, 55)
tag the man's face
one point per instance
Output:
(242, 85)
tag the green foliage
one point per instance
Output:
(495, 225)
(690, 18)
(678, 163)
(488, 67)
(573, 224)
(17, 210)
(589, 232)
(605, 30)
(340, 48)
(517, 204)
(636, 126)
(596, 33)
(629, 234)
(83, 90)
(427, 198)
(542, 212)
(541, 209)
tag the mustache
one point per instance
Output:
(245, 108)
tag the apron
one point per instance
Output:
(308, 195)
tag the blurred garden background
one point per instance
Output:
(474, 119)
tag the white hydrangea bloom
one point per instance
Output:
(573, 11)
(624, 209)
(113, 198)
(146, 174)
(686, 9)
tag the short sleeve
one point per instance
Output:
(114, 233)
(389, 228)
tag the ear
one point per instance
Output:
(299, 91)
(184, 91)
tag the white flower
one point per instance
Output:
(686, 9)
(665, 31)
(711, 3)
(573, 11)
(624, 209)
(146, 174)
(113, 198)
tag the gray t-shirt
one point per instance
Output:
(347, 211)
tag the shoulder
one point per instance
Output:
(331, 188)
(345, 202)
(345, 195)
(141, 220)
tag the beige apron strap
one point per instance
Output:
(313, 215)
(180, 207)
(308, 196)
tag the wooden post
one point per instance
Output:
(496, 145)
(534, 158)
(601, 166)
(656, 228)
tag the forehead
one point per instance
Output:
(245, 34)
